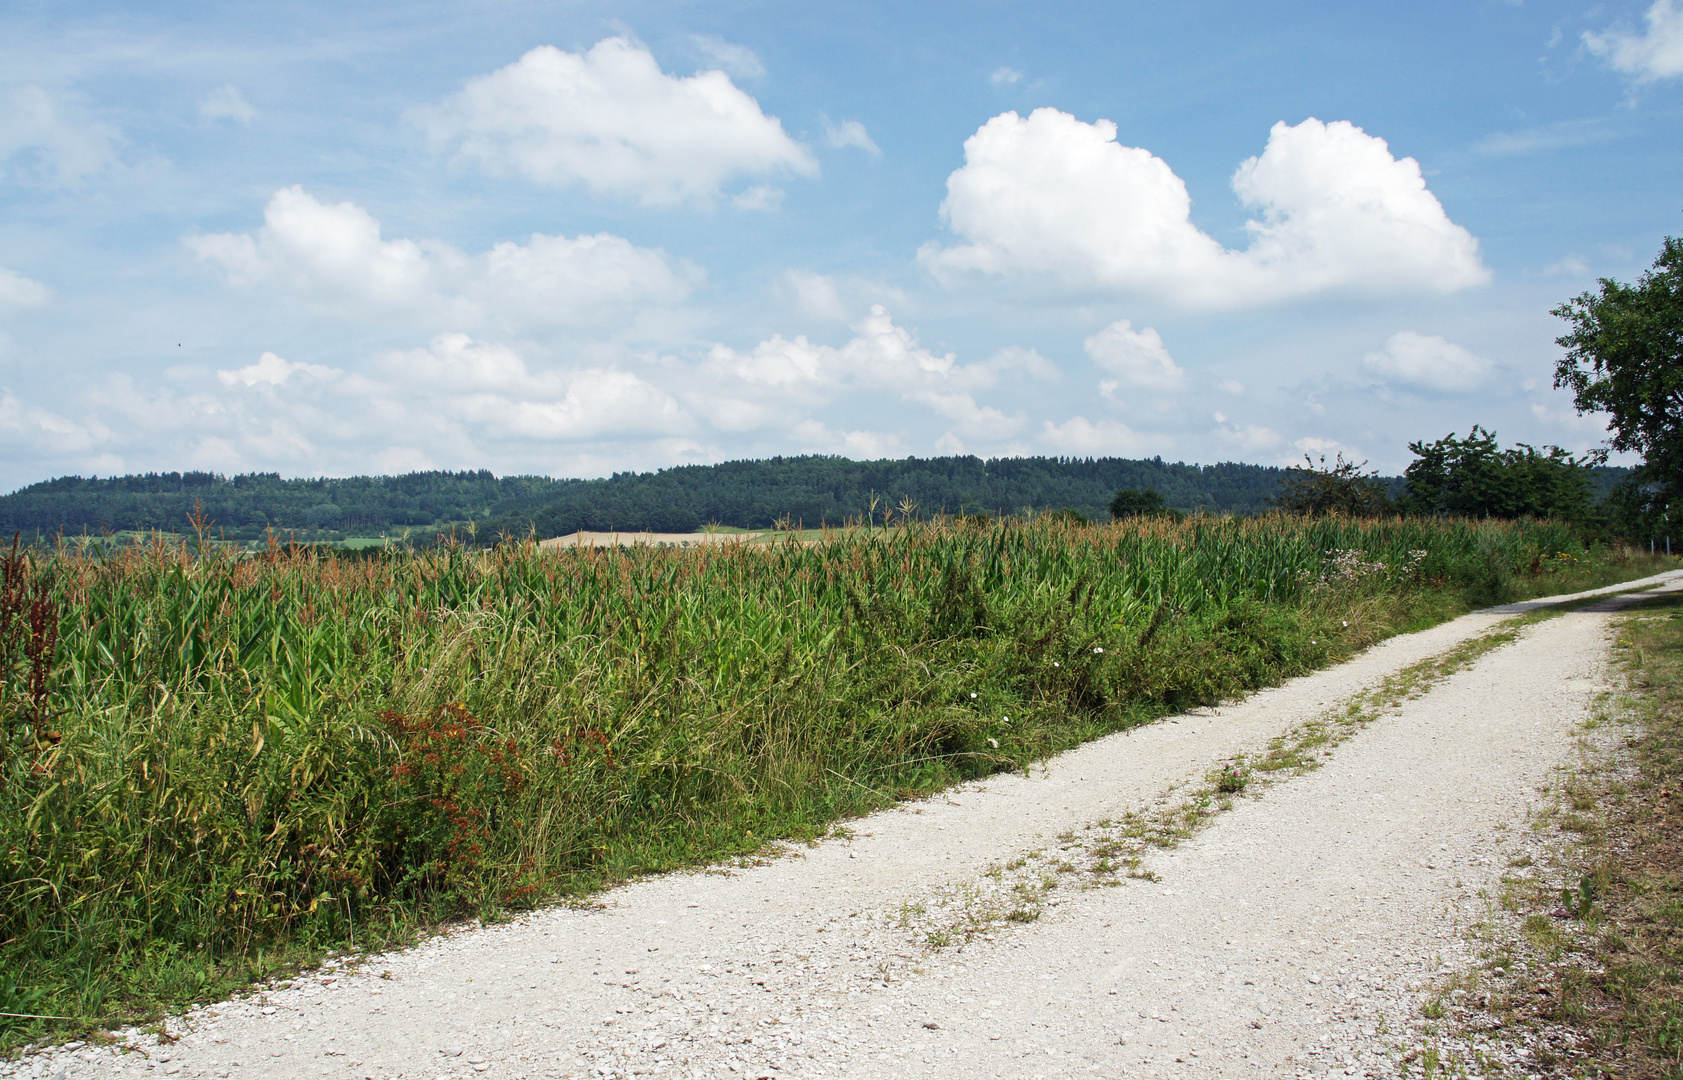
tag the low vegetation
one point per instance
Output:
(1587, 970)
(213, 764)
(1637, 993)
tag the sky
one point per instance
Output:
(576, 238)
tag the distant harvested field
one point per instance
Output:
(647, 539)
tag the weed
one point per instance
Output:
(1590, 975)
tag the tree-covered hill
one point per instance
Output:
(810, 491)
(247, 504)
(813, 490)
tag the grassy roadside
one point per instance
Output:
(251, 762)
(1581, 971)
(1623, 980)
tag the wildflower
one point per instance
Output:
(1007, 719)
(1056, 664)
(994, 743)
(1232, 777)
(1343, 623)
(972, 695)
(1098, 650)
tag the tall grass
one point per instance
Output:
(224, 757)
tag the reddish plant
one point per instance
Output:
(455, 784)
(28, 640)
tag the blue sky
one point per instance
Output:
(578, 238)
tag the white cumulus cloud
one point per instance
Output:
(1015, 358)
(815, 436)
(333, 255)
(490, 387)
(18, 293)
(457, 400)
(1052, 197)
(1248, 438)
(468, 400)
(1316, 448)
(1138, 356)
(1427, 362)
(783, 378)
(1656, 53)
(397, 460)
(610, 119)
(880, 355)
(1081, 437)
(29, 430)
(273, 370)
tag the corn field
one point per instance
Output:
(205, 756)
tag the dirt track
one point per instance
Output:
(1291, 935)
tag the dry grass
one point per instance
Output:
(1582, 960)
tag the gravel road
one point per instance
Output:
(1292, 935)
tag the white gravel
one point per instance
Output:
(1291, 936)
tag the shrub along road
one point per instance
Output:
(1021, 926)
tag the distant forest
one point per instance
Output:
(245, 506)
(810, 491)
(816, 491)
(806, 491)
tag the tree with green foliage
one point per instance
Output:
(1315, 488)
(1133, 503)
(1624, 357)
(1475, 477)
